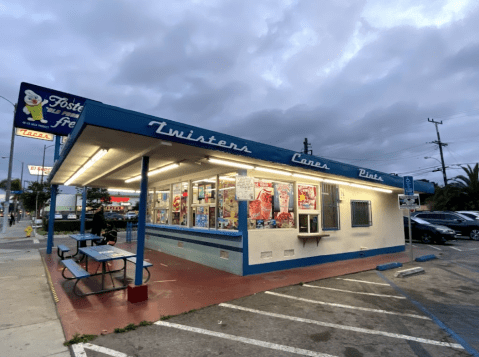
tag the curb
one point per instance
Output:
(425, 258)
(409, 272)
(388, 266)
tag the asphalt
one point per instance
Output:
(29, 323)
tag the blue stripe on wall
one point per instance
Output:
(304, 262)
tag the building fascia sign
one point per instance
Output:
(308, 162)
(191, 136)
(368, 175)
(47, 110)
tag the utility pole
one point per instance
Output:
(307, 146)
(441, 144)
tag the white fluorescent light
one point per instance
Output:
(279, 172)
(99, 154)
(227, 178)
(371, 188)
(231, 163)
(154, 172)
(120, 190)
(382, 190)
(308, 177)
(337, 182)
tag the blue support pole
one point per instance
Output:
(141, 221)
(53, 201)
(243, 227)
(83, 211)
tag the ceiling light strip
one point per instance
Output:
(98, 155)
(154, 172)
(230, 163)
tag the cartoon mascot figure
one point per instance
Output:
(34, 106)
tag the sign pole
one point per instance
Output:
(411, 255)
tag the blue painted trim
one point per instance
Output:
(199, 242)
(458, 338)
(51, 217)
(140, 248)
(388, 266)
(304, 262)
(425, 258)
(243, 227)
(98, 114)
(194, 230)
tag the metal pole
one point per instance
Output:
(411, 255)
(43, 162)
(9, 178)
(53, 201)
(140, 247)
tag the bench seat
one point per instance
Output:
(146, 265)
(77, 271)
(63, 249)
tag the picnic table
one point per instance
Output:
(83, 238)
(104, 254)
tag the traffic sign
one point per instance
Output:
(17, 192)
(408, 185)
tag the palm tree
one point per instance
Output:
(469, 183)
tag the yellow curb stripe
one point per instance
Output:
(50, 282)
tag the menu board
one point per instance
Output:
(245, 188)
(307, 197)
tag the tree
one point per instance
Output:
(35, 196)
(469, 184)
(95, 197)
(15, 185)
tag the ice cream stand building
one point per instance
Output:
(236, 205)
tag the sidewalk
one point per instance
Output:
(29, 321)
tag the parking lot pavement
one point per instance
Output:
(365, 314)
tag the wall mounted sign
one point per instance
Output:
(47, 110)
(245, 188)
(366, 174)
(308, 162)
(34, 134)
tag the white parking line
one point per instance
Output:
(354, 292)
(249, 341)
(79, 350)
(348, 306)
(434, 247)
(344, 327)
(36, 241)
(363, 281)
(459, 250)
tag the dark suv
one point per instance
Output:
(461, 224)
(427, 232)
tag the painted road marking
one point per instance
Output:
(249, 341)
(79, 350)
(36, 241)
(344, 327)
(434, 247)
(354, 292)
(363, 281)
(459, 250)
(348, 306)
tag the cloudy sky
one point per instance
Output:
(359, 79)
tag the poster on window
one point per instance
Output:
(176, 197)
(283, 197)
(230, 205)
(201, 192)
(183, 206)
(262, 206)
(306, 197)
(201, 217)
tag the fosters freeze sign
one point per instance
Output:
(47, 110)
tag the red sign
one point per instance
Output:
(119, 199)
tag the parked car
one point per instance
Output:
(72, 216)
(131, 215)
(463, 225)
(114, 215)
(427, 232)
(58, 215)
(470, 214)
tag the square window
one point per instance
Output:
(361, 213)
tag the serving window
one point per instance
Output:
(227, 203)
(308, 207)
(273, 206)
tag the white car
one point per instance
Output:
(470, 214)
(58, 215)
(130, 215)
(72, 216)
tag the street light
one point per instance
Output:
(10, 164)
(21, 184)
(43, 163)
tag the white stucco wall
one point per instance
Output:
(386, 231)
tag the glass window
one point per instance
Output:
(330, 207)
(227, 204)
(162, 206)
(273, 206)
(361, 213)
(308, 223)
(179, 204)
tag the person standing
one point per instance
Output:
(12, 219)
(98, 223)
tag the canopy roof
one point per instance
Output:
(128, 136)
